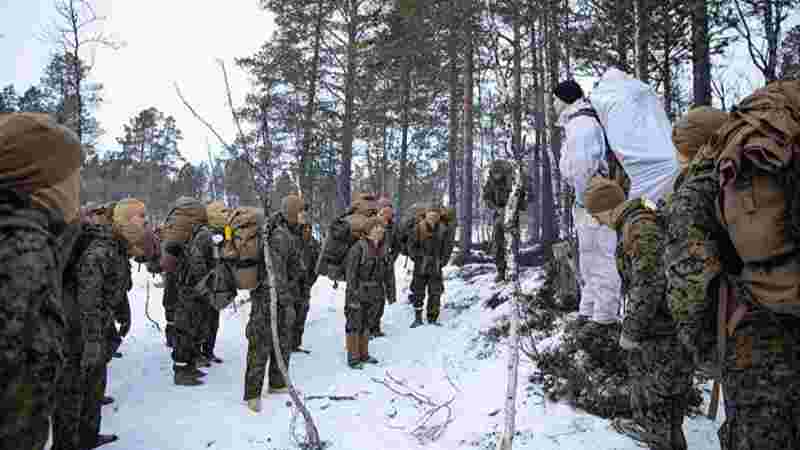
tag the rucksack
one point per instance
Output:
(759, 202)
(184, 215)
(343, 232)
(243, 242)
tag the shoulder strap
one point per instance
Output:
(609, 157)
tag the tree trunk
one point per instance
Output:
(452, 128)
(555, 131)
(466, 232)
(306, 159)
(701, 56)
(666, 76)
(405, 89)
(535, 212)
(642, 13)
(516, 138)
(348, 126)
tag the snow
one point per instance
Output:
(150, 413)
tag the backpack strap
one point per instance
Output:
(608, 156)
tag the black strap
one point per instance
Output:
(611, 159)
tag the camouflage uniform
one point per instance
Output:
(170, 301)
(429, 259)
(191, 307)
(370, 282)
(659, 366)
(103, 277)
(289, 272)
(310, 254)
(391, 242)
(759, 370)
(496, 196)
(32, 322)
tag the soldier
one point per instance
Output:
(390, 242)
(731, 246)
(289, 272)
(659, 367)
(102, 279)
(495, 194)
(584, 151)
(310, 253)
(217, 213)
(39, 194)
(192, 312)
(429, 247)
(370, 282)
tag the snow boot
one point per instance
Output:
(103, 439)
(107, 400)
(353, 352)
(202, 361)
(185, 376)
(417, 318)
(254, 405)
(170, 332)
(363, 350)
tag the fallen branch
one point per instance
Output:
(331, 397)
(147, 307)
(424, 431)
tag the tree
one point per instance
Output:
(72, 34)
(8, 99)
(34, 99)
(761, 26)
(790, 55)
(466, 208)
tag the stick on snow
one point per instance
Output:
(512, 229)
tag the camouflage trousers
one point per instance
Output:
(434, 284)
(301, 309)
(209, 329)
(380, 306)
(76, 420)
(761, 384)
(499, 245)
(170, 301)
(189, 322)
(359, 316)
(261, 358)
(660, 376)
(28, 382)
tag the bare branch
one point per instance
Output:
(200, 118)
(758, 58)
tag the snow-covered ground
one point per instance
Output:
(150, 413)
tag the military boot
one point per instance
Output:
(363, 349)
(185, 376)
(353, 353)
(202, 361)
(107, 400)
(433, 311)
(170, 332)
(417, 318)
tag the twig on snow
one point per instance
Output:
(147, 307)
(424, 431)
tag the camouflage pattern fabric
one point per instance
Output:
(660, 369)
(170, 300)
(260, 346)
(69, 407)
(762, 384)
(392, 243)
(190, 314)
(32, 324)
(496, 196)
(310, 254)
(103, 279)
(428, 256)
(693, 257)
(370, 281)
(284, 245)
(211, 327)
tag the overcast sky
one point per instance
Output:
(166, 41)
(174, 41)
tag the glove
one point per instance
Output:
(124, 319)
(626, 343)
(92, 356)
